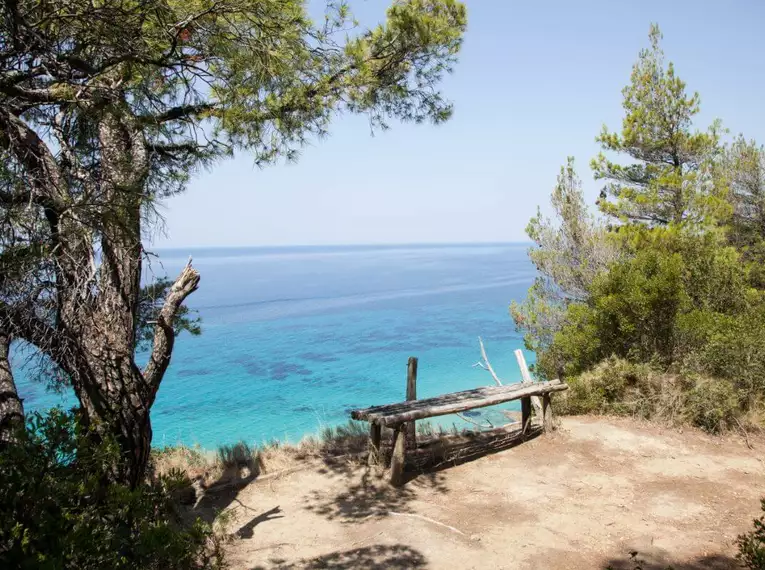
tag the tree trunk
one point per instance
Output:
(114, 394)
(95, 264)
(11, 410)
(110, 386)
(116, 401)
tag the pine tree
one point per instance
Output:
(108, 106)
(569, 252)
(670, 177)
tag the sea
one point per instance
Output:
(293, 338)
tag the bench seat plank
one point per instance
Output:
(391, 415)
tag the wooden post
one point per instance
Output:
(526, 378)
(525, 373)
(398, 459)
(525, 414)
(411, 394)
(547, 421)
(375, 436)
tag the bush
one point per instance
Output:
(614, 386)
(58, 508)
(619, 387)
(712, 405)
(751, 546)
(631, 314)
(728, 346)
(643, 307)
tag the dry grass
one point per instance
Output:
(618, 387)
(197, 464)
(208, 468)
(241, 462)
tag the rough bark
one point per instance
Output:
(11, 409)
(164, 336)
(93, 334)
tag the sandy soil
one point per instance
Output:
(584, 497)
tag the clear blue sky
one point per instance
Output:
(535, 82)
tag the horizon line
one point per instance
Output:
(344, 245)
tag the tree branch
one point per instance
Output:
(32, 152)
(486, 365)
(164, 334)
(175, 113)
(35, 96)
(21, 323)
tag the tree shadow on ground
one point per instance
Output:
(367, 493)
(223, 493)
(211, 504)
(375, 557)
(662, 561)
(368, 496)
(246, 530)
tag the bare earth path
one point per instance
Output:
(584, 497)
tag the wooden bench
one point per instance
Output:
(400, 415)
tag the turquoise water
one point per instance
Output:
(293, 338)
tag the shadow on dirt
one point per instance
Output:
(375, 557)
(661, 561)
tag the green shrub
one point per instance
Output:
(58, 508)
(614, 386)
(631, 314)
(644, 309)
(636, 303)
(711, 404)
(751, 546)
(728, 346)
(619, 387)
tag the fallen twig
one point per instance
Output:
(746, 435)
(426, 519)
(352, 544)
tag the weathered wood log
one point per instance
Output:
(526, 379)
(525, 373)
(411, 395)
(398, 460)
(547, 421)
(394, 414)
(375, 437)
(525, 414)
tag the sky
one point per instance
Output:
(535, 83)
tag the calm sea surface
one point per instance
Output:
(293, 338)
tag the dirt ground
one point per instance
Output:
(586, 496)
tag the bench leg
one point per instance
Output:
(398, 460)
(547, 413)
(525, 415)
(375, 436)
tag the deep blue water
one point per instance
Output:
(293, 338)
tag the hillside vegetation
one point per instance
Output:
(656, 306)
